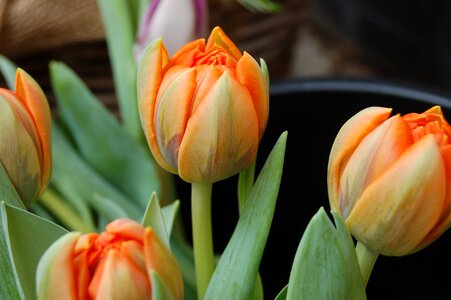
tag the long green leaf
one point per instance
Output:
(102, 140)
(77, 180)
(28, 236)
(236, 272)
(282, 295)
(9, 289)
(121, 36)
(325, 265)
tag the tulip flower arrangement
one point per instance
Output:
(105, 224)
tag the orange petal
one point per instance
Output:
(445, 220)
(221, 137)
(55, 274)
(186, 55)
(126, 229)
(206, 76)
(373, 156)
(399, 209)
(249, 74)
(149, 78)
(159, 259)
(119, 278)
(348, 138)
(172, 108)
(218, 37)
(36, 103)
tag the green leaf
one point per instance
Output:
(325, 265)
(121, 36)
(282, 295)
(262, 6)
(245, 184)
(159, 289)
(8, 287)
(8, 70)
(102, 140)
(108, 208)
(153, 217)
(169, 213)
(28, 237)
(236, 272)
(258, 293)
(78, 181)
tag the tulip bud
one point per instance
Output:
(390, 178)
(25, 123)
(176, 21)
(204, 110)
(116, 264)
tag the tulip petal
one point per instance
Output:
(347, 140)
(186, 55)
(149, 77)
(119, 279)
(249, 74)
(55, 275)
(405, 202)
(206, 76)
(35, 101)
(221, 137)
(445, 220)
(378, 151)
(173, 105)
(18, 154)
(127, 229)
(218, 37)
(160, 260)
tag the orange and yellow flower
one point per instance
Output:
(25, 150)
(205, 109)
(116, 264)
(390, 178)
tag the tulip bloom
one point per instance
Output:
(25, 125)
(176, 21)
(116, 264)
(204, 110)
(390, 177)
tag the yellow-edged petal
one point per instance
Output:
(159, 259)
(221, 137)
(218, 37)
(396, 212)
(249, 74)
(348, 138)
(35, 101)
(373, 156)
(55, 274)
(150, 75)
(172, 109)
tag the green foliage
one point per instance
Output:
(28, 237)
(325, 265)
(236, 272)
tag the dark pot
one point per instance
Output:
(313, 111)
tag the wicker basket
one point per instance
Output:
(268, 36)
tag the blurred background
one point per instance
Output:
(321, 42)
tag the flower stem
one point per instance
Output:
(202, 235)
(62, 211)
(367, 259)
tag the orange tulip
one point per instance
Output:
(25, 124)
(205, 109)
(116, 264)
(390, 178)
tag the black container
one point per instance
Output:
(313, 111)
(409, 38)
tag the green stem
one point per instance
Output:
(367, 259)
(202, 235)
(59, 208)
